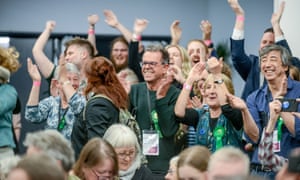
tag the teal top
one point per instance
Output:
(8, 100)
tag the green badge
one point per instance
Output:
(218, 134)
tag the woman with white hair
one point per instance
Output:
(61, 108)
(127, 147)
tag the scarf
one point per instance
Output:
(129, 173)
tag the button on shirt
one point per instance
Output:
(258, 104)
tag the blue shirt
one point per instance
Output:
(258, 105)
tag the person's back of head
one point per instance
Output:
(102, 79)
(195, 158)
(228, 162)
(52, 143)
(37, 167)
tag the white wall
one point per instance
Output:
(71, 15)
(290, 23)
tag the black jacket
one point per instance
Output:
(100, 114)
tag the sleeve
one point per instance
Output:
(39, 113)
(190, 118)
(256, 115)
(98, 118)
(241, 62)
(233, 115)
(8, 98)
(134, 59)
(266, 154)
(77, 103)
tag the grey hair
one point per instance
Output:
(120, 135)
(72, 68)
(229, 155)
(285, 54)
(158, 48)
(54, 144)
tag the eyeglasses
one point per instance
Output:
(151, 63)
(123, 155)
(219, 81)
(100, 175)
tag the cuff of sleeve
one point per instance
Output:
(237, 34)
(279, 38)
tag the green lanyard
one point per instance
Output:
(279, 127)
(218, 134)
(154, 117)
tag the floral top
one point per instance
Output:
(49, 110)
(267, 156)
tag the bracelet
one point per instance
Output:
(187, 86)
(91, 31)
(136, 37)
(208, 42)
(36, 83)
(240, 18)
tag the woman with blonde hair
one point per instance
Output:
(220, 124)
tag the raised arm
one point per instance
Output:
(265, 148)
(33, 72)
(240, 16)
(92, 20)
(45, 65)
(112, 20)
(249, 125)
(184, 95)
(176, 32)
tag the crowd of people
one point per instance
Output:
(192, 124)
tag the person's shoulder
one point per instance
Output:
(143, 173)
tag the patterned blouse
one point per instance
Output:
(49, 110)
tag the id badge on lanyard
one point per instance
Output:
(150, 143)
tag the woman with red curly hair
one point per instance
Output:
(105, 95)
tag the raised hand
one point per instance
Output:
(50, 25)
(110, 18)
(236, 102)
(196, 71)
(140, 25)
(206, 29)
(277, 15)
(235, 6)
(33, 70)
(176, 72)
(176, 31)
(93, 19)
(215, 65)
(164, 86)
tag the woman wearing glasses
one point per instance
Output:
(128, 150)
(97, 161)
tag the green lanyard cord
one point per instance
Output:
(155, 122)
(279, 127)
